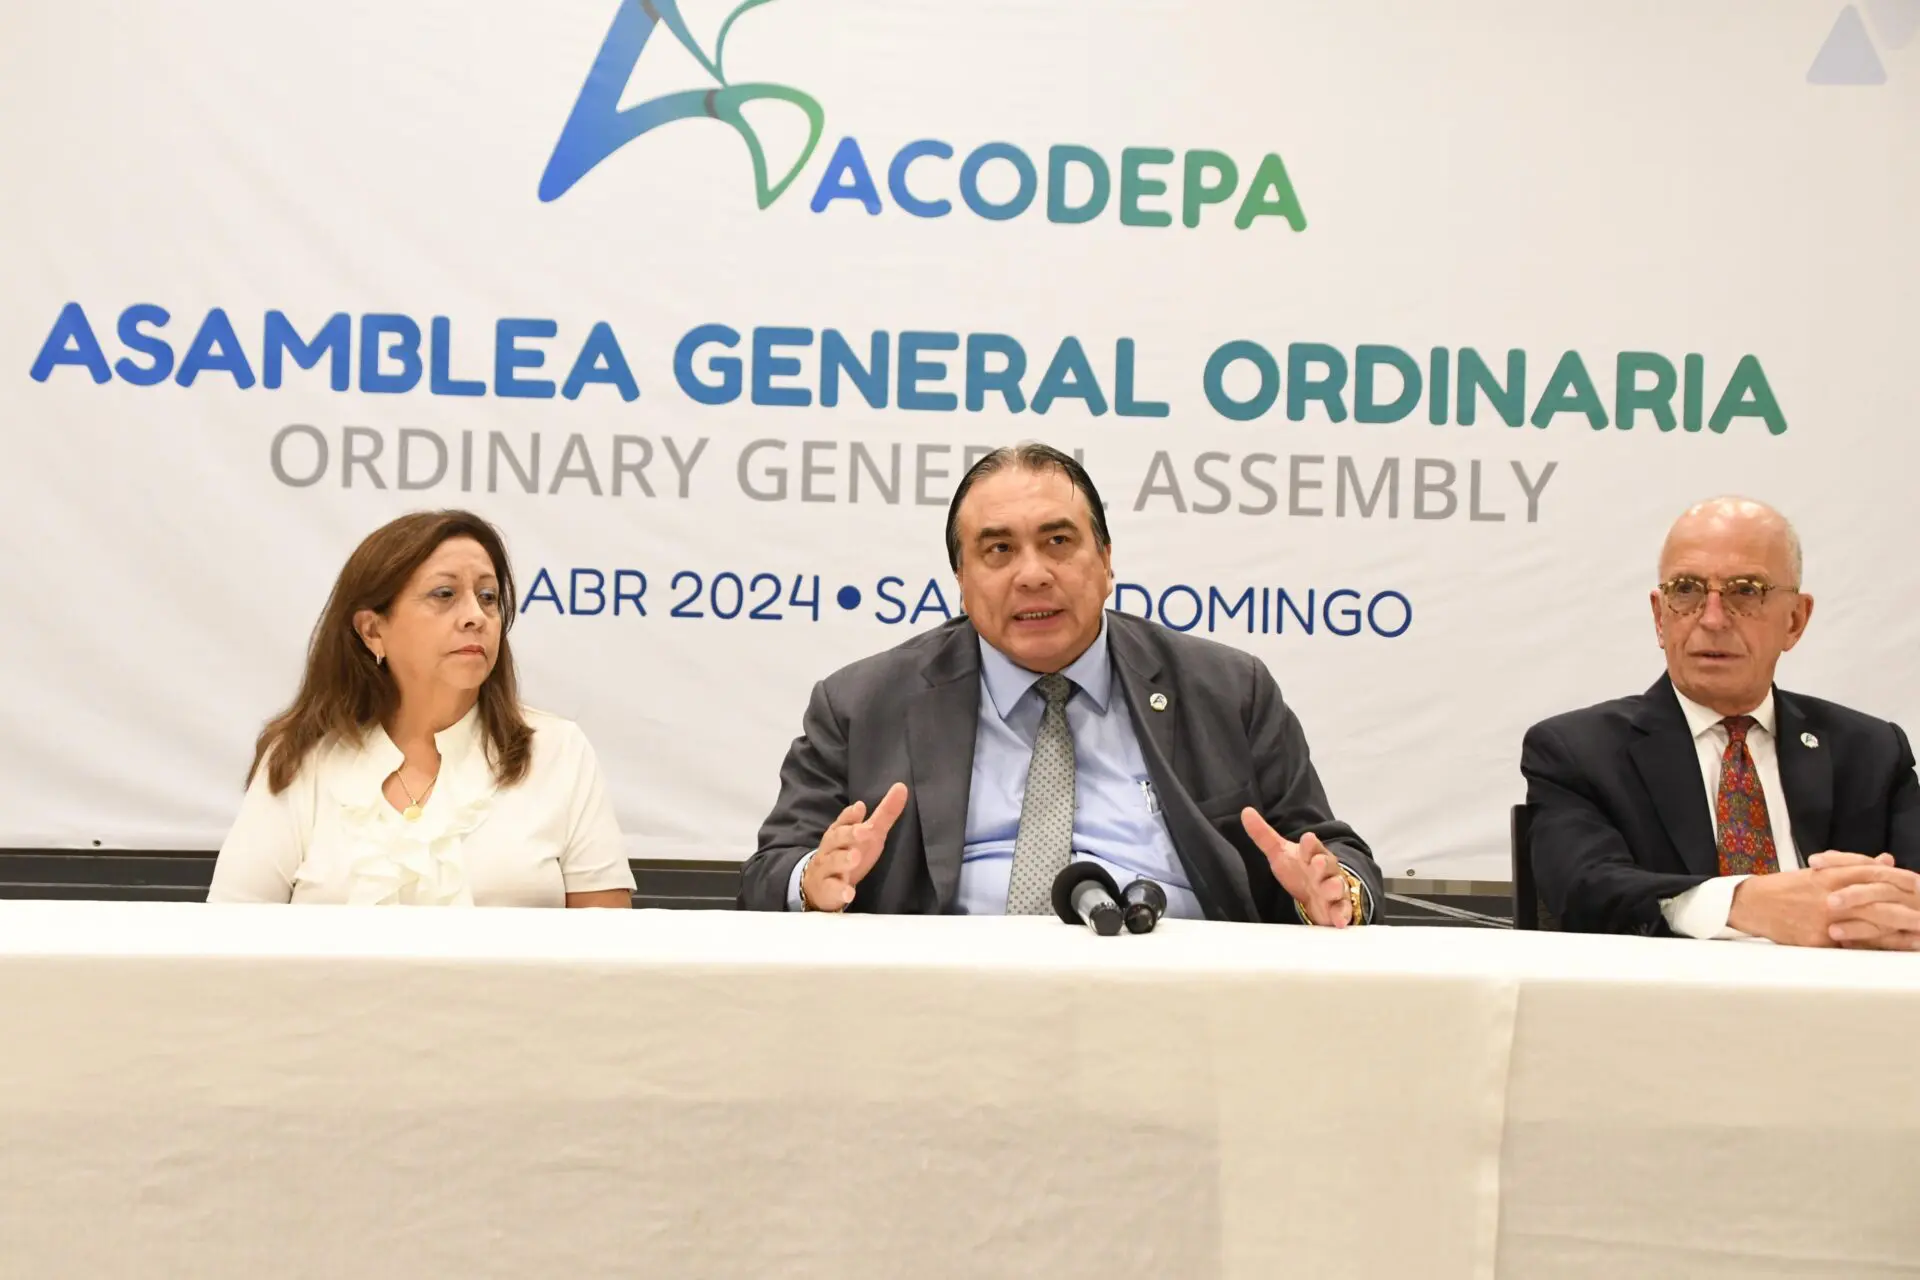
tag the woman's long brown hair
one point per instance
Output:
(344, 692)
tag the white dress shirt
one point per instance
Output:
(1701, 912)
(332, 837)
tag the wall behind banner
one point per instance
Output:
(1394, 338)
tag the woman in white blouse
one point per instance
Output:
(406, 771)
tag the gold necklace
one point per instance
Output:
(412, 812)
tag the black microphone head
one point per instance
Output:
(1071, 877)
(1144, 902)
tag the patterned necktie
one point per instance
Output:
(1746, 837)
(1045, 843)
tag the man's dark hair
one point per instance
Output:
(1026, 457)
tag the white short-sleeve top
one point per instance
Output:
(332, 837)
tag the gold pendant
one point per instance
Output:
(411, 813)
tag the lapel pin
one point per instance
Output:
(1808, 740)
(1158, 702)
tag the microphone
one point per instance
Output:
(1143, 903)
(1084, 892)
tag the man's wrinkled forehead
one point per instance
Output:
(1018, 499)
(1725, 545)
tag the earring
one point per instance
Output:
(379, 659)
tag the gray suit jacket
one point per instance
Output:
(1225, 741)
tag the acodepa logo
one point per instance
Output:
(995, 180)
(598, 127)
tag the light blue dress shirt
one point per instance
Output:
(1117, 820)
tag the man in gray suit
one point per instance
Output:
(1041, 729)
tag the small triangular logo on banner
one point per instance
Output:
(1848, 56)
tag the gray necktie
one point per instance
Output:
(1045, 843)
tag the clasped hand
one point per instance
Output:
(1847, 900)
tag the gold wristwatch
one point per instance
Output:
(1356, 896)
(806, 903)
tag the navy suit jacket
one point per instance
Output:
(1621, 817)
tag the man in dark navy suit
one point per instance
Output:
(1715, 805)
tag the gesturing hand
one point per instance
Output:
(1306, 870)
(849, 849)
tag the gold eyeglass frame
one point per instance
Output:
(1741, 604)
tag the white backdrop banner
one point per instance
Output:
(1393, 333)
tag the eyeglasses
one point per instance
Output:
(1744, 596)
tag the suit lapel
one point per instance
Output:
(1806, 775)
(942, 720)
(1141, 678)
(1218, 877)
(1669, 765)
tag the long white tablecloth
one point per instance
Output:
(258, 1092)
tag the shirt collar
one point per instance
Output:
(1700, 719)
(1008, 682)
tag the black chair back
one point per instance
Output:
(1530, 910)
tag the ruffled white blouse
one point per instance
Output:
(332, 837)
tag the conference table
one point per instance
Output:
(188, 1090)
